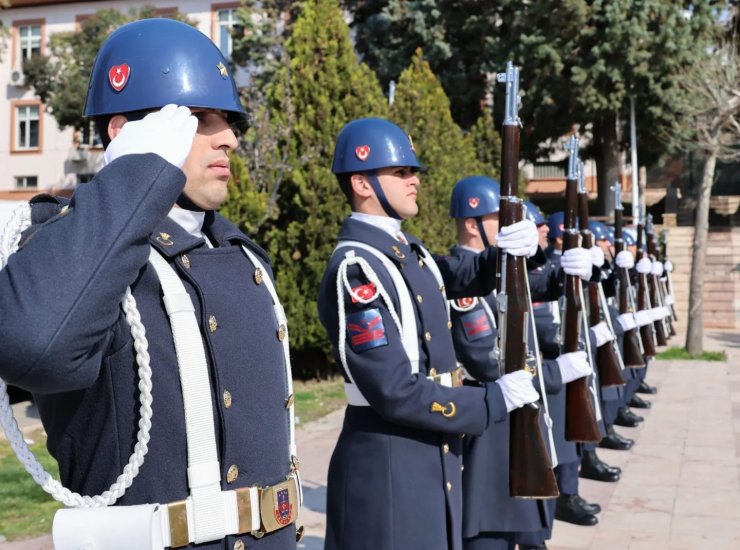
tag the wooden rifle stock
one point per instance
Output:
(668, 282)
(663, 327)
(646, 332)
(610, 373)
(530, 469)
(631, 339)
(580, 418)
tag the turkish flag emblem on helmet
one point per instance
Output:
(362, 152)
(473, 202)
(118, 76)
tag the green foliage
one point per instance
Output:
(675, 353)
(422, 109)
(320, 88)
(60, 79)
(487, 143)
(25, 509)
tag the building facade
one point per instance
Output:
(35, 154)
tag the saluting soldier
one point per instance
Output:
(221, 460)
(492, 519)
(395, 479)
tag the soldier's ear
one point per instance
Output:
(115, 125)
(361, 186)
(471, 226)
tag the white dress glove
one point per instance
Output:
(657, 313)
(657, 269)
(644, 266)
(625, 259)
(517, 389)
(577, 261)
(627, 321)
(669, 300)
(602, 334)
(573, 366)
(519, 239)
(643, 317)
(168, 133)
(668, 265)
(597, 256)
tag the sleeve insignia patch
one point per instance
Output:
(366, 330)
(364, 292)
(476, 325)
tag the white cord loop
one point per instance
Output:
(9, 241)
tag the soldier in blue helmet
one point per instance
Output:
(395, 479)
(220, 471)
(492, 519)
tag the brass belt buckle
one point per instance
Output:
(178, 517)
(279, 504)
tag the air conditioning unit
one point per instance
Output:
(17, 78)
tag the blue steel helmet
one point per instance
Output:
(367, 144)
(629, 236)
(534, 213)
(150, 63)
(474, 196)
(555, 222)
(610, 233)
(599, 231)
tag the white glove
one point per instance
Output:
(666, 312)
(597, 256)
(644, 266)
(669, 300)
(519, 239)
(168, 133)
(602, 333)
(627, 321)
(657, 313)
(517, 389)
(657, 269)
(668, 265)
(625, 259)
(643, 317)
(573, 366)
(577, 261)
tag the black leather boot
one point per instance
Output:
(639, 403)
(615, 441)
(594, 468)
(625, 417)
(567, 509)
(646, 388)
(590, 507)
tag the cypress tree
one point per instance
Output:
(487, 144)
(422, 109)
(321, 88)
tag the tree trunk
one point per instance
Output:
(695, 328)
(606, 152)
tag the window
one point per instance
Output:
(28, 40)
(88, 137)
(84, 178)
(226, 20)
(26, 129)
(26, 182)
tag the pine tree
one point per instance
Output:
(313, 96)
(422, 109)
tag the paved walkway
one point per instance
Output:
(680, 486)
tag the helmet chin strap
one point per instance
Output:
(482, 231)
(372, 175)
(183, 201)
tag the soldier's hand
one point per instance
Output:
(519, 239)
(573, 366)
(668, 265)
(627, 321)
(168, 133)
(597, 256)
(577, 261)
(624, 259)
(517, 389)
(657, 269)
(602, 333)
(644, 266)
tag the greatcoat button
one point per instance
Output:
(185, 261)
(258, 278)
(227, 399)
(232, 474)
(449, 486)
(282, 332)
(239, 544)
(446, 448)
(419, 298)
(427, 336)
(212, 323)
(421, 263)
(449, 324)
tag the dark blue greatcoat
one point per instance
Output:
(65, 338)
(395, 479)
(487, 506)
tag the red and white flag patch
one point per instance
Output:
(118, 76)
(364, 292)
(362, 152)
(473, 202)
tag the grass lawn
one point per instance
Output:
(681, 353)
(26, 511)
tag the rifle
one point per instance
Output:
(580, 418)
(643, 300)
(632, 344)
(656, 291)
(668, 280)
(610, 372)
(530, 470)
